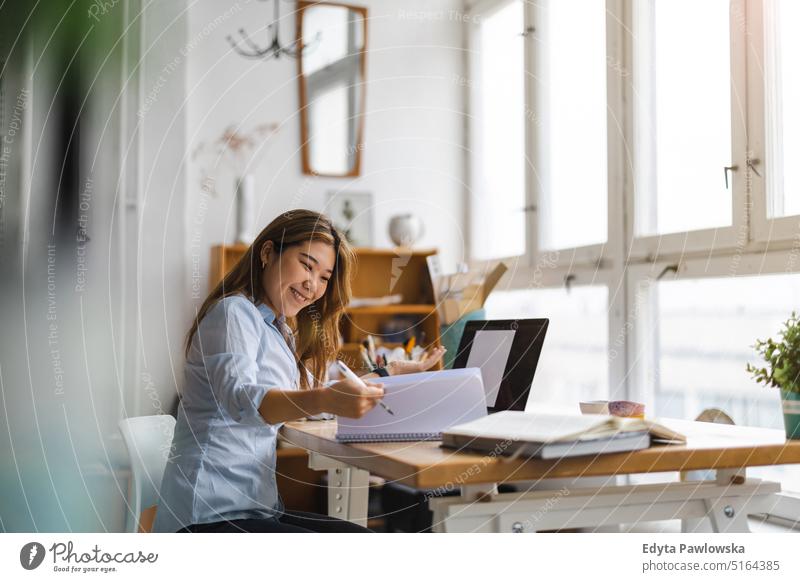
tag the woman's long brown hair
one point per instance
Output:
(316, 326)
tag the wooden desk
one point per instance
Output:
(725, 500)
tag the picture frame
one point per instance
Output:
(352, 214)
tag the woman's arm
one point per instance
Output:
(345, 398)
(398, 367)
(284, 405)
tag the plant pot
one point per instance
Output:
(791, 413)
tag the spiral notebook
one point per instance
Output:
(424, 405)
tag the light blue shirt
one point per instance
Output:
(222, 462)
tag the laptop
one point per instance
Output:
(507, 352)
(493, 371)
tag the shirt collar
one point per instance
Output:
(269, 315)
(266, 312)
(278, 323)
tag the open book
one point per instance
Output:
(547, 435)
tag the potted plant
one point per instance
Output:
(783, 371)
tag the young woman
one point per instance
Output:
(256, 357)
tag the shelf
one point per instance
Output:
(378, 344)
(398, 309)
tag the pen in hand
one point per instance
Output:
(350, 375)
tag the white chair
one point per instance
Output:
(148, 439)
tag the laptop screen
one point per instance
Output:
(507, 352)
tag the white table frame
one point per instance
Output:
(348, 488)
(721, 504)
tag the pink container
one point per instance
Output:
(626, 408)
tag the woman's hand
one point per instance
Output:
(429, 359)
(348, 398)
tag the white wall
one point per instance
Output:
(116, 348)
(156, 275)
(414, 128)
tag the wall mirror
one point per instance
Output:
(332, 86)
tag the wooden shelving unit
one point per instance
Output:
(223, 258)
(382, 272)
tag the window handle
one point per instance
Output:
(752, 163)
(729, 169)
(667, 269)
(528, 31)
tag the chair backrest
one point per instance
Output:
(148, 439)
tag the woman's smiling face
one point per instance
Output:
(298, 277)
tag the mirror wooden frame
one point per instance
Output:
(305, 153)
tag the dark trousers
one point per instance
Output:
(288, 522)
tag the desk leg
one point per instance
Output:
(726, 514)
(348, 488)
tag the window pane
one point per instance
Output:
(705, 332)
(578, 333)
(683, 115)
(572, 91)
(498, 134)
(782, 20)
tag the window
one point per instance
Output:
(497, 129)
(577, 333)
(704, 335)
(570, 117)
(706, 328)
(683, 115)
(636, 114)
(782, 19)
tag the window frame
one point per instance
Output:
(772, 232)
(550, 274)
(750, 231)
(751, 245)
(588, 256)
(650, 247)
(476, 12)
(643, 327)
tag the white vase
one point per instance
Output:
(245, 208)
(405, 229)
